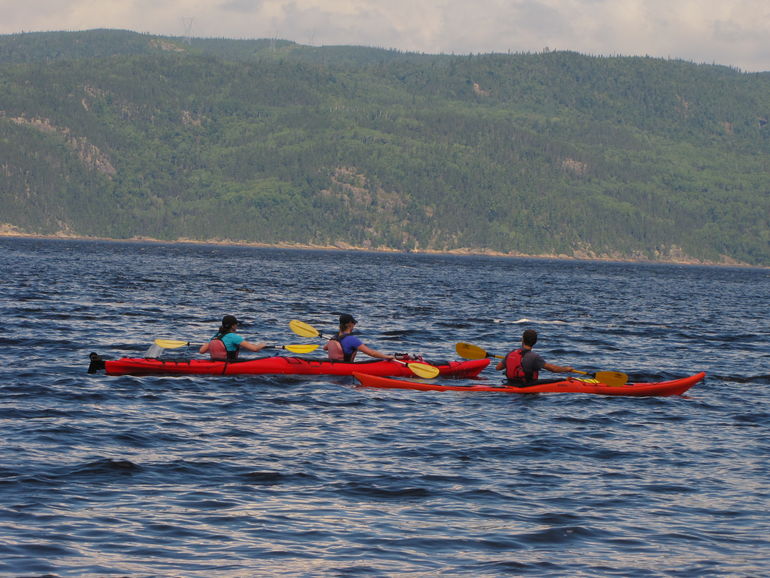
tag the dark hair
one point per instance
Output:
(228, 321)
(529, 337)
(346, 318)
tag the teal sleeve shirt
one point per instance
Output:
(232, 341)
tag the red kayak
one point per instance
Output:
(281, 365)
(569, 385)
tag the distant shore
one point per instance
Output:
(5, 232)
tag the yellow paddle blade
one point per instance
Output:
(300, 348)
(469, 351)
(171, 343)
(611, 378)
(423, 370)
(303, 329)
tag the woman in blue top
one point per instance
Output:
(226, 343)
(344, 346)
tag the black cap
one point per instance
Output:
(346, 318)
(229, 321)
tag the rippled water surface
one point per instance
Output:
(283, 475)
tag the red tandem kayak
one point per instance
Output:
(281, 365)
(570, 385)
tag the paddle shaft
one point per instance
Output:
(176, 344)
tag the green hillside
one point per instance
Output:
(117, 134)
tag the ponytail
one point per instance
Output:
(228, 321)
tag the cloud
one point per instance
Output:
(730, 32)
(241, 6)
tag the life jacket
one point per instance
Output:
(513, 368)
(219, 352)
(336, 353)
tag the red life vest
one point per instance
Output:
(218, 351)
(334, 348)
(336, 353)
(513, 368)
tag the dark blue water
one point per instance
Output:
(306, 476)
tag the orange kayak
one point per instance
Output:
(569, 385)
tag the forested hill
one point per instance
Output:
(116, 134)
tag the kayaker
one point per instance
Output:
(523, 364)
(226, 343)
(344, 346)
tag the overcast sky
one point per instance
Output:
(730, 32)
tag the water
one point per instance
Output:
(307, 476)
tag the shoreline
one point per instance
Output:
(6, 233)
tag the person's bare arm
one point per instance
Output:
(558, 368)
(373, 352)
(252, 346)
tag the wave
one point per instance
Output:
(535, 321)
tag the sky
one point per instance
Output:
(734, 33)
